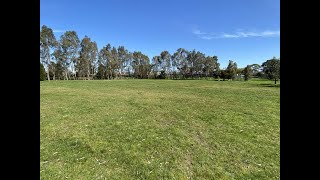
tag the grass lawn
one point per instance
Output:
(159, 129)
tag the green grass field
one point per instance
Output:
(159, 129)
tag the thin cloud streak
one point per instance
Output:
(240, 34)
(58, 31)
(198, 32)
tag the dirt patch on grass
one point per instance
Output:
(188, 160)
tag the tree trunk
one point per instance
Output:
(48, 76)
(75, 72)
(275, 81)
(48, 62)
(66, 75)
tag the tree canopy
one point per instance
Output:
(271, 68)
(74, 58)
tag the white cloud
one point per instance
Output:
(198, 32)
(239, 34)
(58, 31)
(229, 36)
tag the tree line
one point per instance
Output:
(68, 58)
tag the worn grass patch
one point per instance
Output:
(159, 129)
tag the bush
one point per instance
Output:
(259, 75)
(162, 75)
(42, 73)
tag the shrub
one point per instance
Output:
(42, 73)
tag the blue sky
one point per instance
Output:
(246, 31)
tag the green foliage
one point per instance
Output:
(141, 65)
(271, 68)
(42, 73)
(260, 74)
(162, 75)
(86, 63)
(73, 58)
(47, 41)
(224, 74)
(231, 70)
(68, 51)
(247, 71)
(165, 62)
(255, 68)
(101, 72)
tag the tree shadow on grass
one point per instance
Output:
(189, 79)
(269, 85)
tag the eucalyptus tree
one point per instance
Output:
(109, 61)
(141, 65)
(52, 70)
(93, 57)
(191, 59)
(165, 59)
(210, 65)
(156, 68)
(128, 63)
(87, 58)
(247, 72)
(199, 62)
(102, 62)
(114, 62)
(231, 70)
(42, 73)
(47, 42)
(61, 62)
(123, 60)
(179, 61)
(69, 44)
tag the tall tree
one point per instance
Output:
(93, 57)
(247, 72)
(52, 70)
(103, 61)
(115, 62)
(271, 68)
(231, 70)
(180, 61)
(141, 65)
(100, 72)
(69, 44)
(110, 62)
(224, 74)
(123, 58)
(128, 63)
(59, 70)
(165, 62)
(156, 68)
(60, 60)
(191, 59)
(87, 58)
(210, 65)
(199, 63)
(217, 71)
(47, 41)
